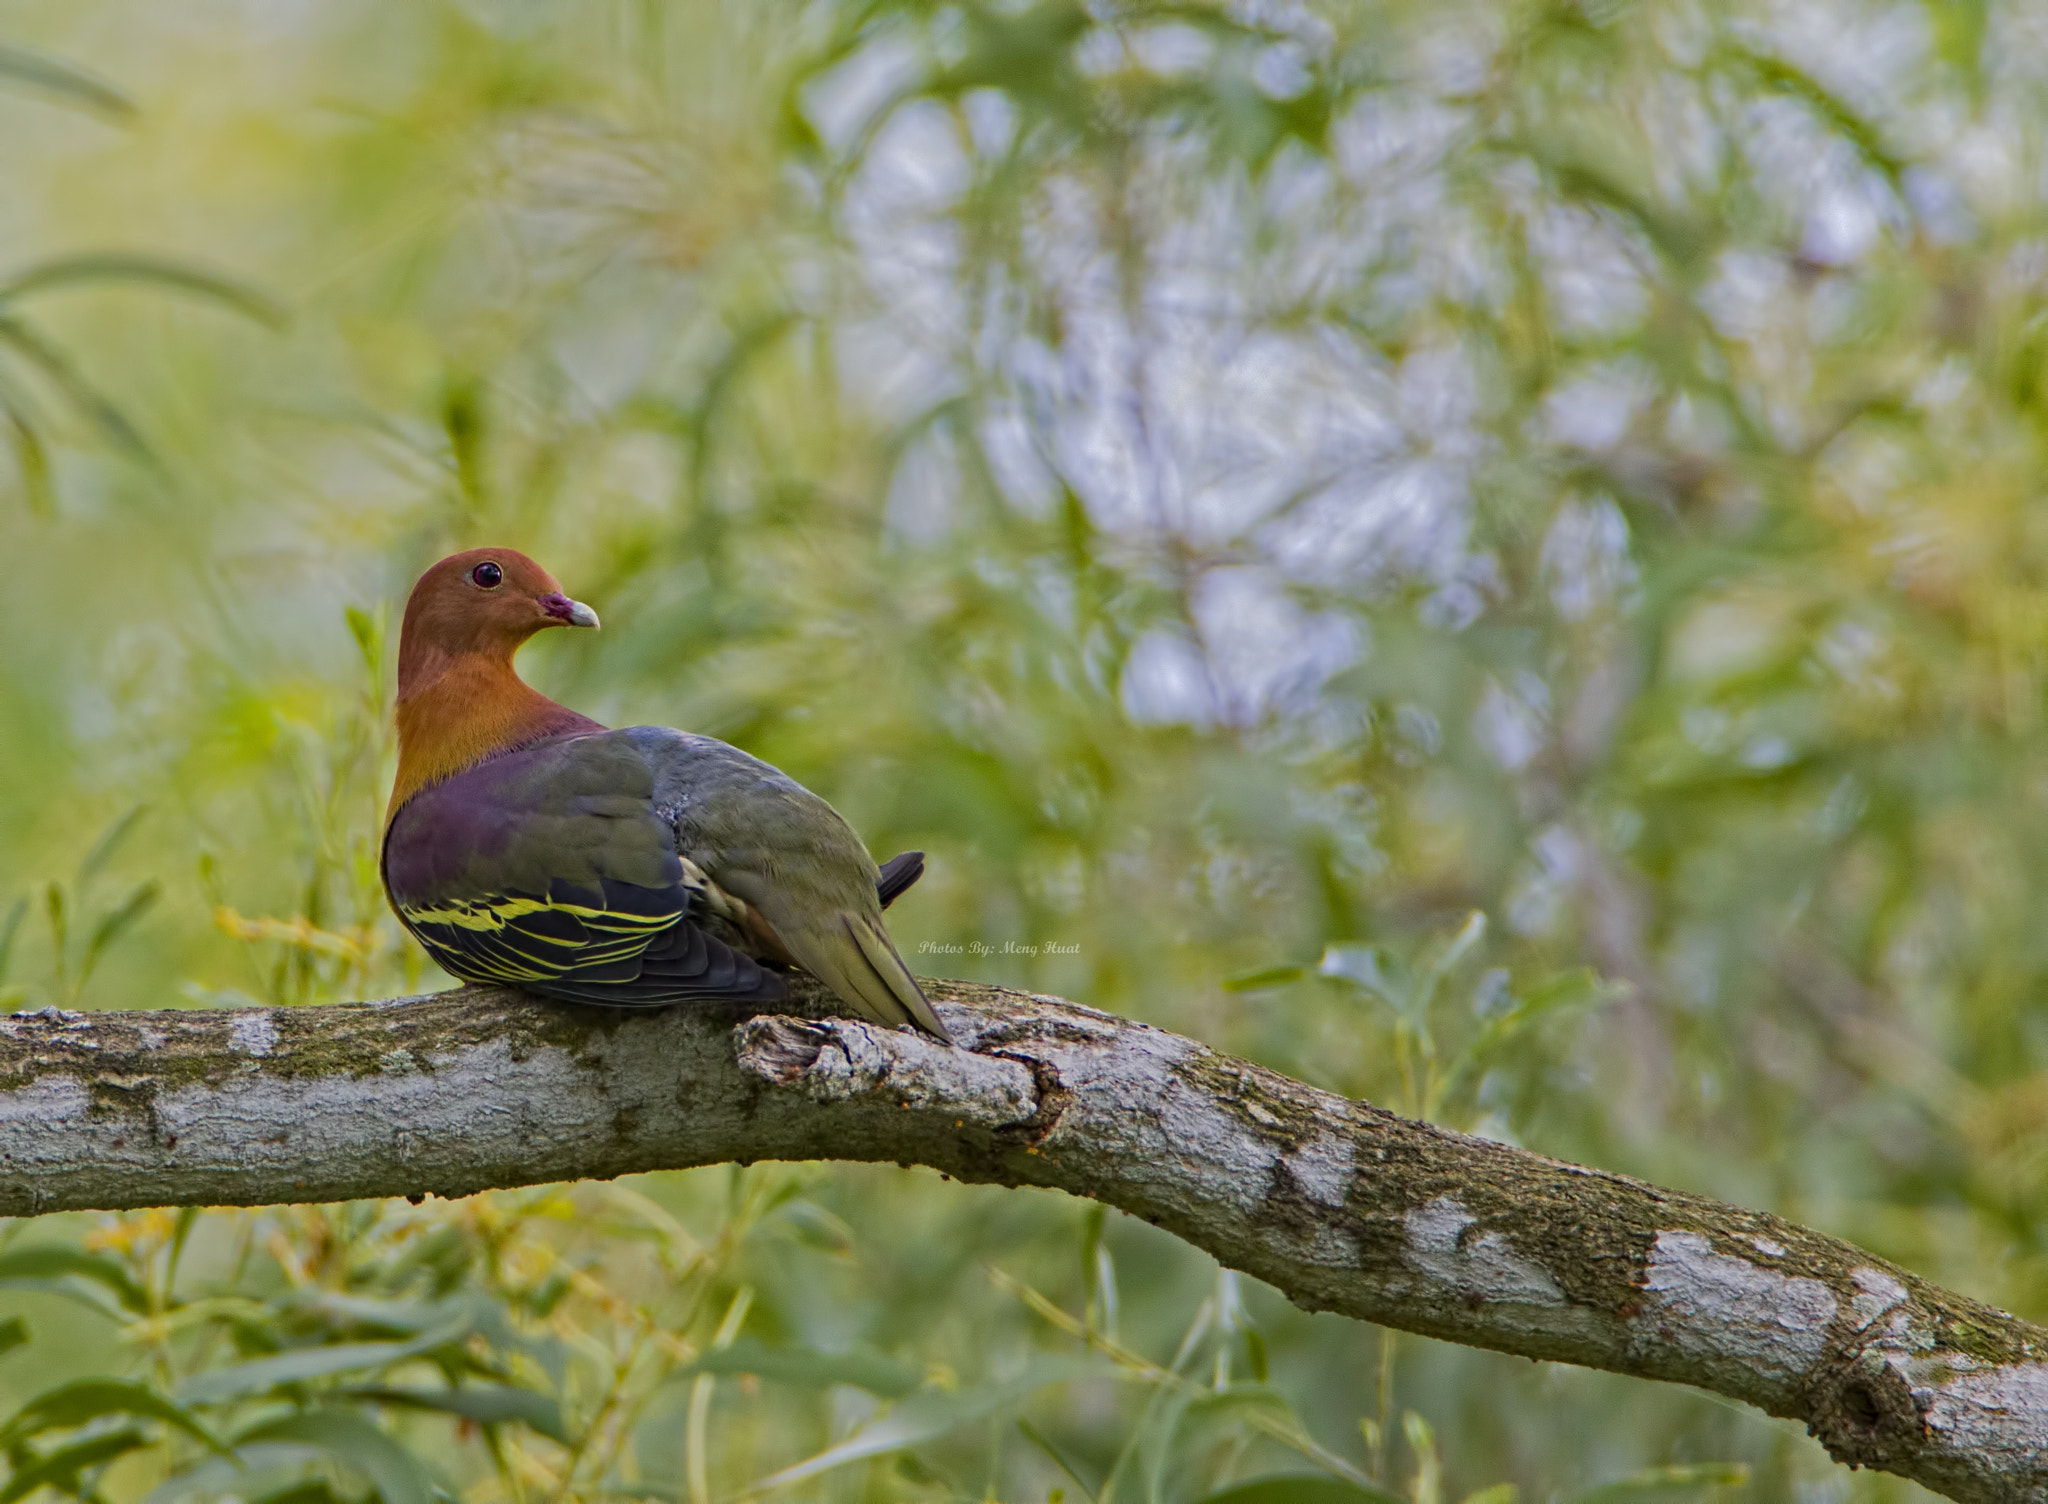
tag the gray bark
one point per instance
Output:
(1341, 1206)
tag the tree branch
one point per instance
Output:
(1341, 1206)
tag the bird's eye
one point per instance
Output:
(487, 575)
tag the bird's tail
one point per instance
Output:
(853, 955)
(898, 874)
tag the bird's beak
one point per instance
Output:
(569, 613)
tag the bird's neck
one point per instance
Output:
(455, 710)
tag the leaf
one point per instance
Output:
(151, 271)
(110, 841)
(297, 932)
(463, 419)
(1776, 74)
(1218, 1404)
(486, 1404)
(313, 1491)
(59, 913)
(1147, 1444)
(1372, 968)
(368, 630)
(864, 1369)
(926, 1416)
(294, 1367)
(65, 82)
(1470, 933)
(399, 1477)
(1300, 1488)
(1068, 1465)
(85, 1400)
(1255, 1354)
(301, 1364)
(468, 1313)
(1581, 987)
(1592, 167)
(13, 1334)
(46, 1268)
(48, 359)
(233, 1473)
(1158, 1441)
(10, 931)
(32, 460)
(814, 1227)
(61, 1468)
(1652, 1481)
(113, 923)
(188, 1218)
(1272, 976)
(437, 1322)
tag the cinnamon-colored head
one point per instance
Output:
(459, 699)
(486, 600)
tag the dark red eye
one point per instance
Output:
(487, 575)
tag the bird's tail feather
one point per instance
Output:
(898, 874)
(887, 966)
(851, 954)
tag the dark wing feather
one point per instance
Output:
(546, 869)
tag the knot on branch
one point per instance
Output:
(1865, 1414)
(838, 1060)
(778, 1049)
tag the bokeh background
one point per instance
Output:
(1490, 556)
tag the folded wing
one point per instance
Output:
(547, 869)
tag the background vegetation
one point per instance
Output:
(1489, 556)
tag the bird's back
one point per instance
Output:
(747, 820)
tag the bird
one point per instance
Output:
(527, 845)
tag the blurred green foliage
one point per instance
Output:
(1484, 555)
